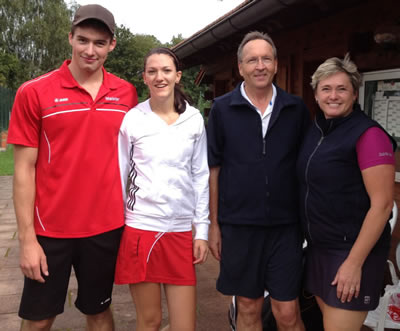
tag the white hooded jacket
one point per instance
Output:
(166, 170)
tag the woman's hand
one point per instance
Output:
(200, 251)
(379, 183)
(347, 281)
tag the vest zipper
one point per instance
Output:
(306, 178)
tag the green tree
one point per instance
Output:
(12, 71)
(195, 92)
(126, 60)
(36, 33)
(175, 40)
(34, 40)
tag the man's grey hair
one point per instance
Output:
(255, 35)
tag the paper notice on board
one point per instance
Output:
(388, 85)
(393, 117)
(380, 111)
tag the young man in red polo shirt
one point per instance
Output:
(67, 192)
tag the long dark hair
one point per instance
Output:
(180, 97)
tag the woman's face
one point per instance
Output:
(160, 75)
(335, 95)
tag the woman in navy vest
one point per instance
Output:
(346, 171)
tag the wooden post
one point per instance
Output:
(3, 139)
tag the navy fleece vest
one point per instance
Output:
(334, 200)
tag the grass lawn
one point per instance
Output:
(7, 162)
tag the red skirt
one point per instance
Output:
(155, 257)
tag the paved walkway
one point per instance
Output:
(211, 309)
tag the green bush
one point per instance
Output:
(7, 162)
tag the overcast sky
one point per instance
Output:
(165, 18)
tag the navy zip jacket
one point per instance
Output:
(257, 180)
(334, 200)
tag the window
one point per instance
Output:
(379, 96)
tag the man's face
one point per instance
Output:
(90, 47)
(258, 65)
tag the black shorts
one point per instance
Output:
(321, 267)
(254, 259)
(93, 259)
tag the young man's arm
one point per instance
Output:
(32, 258)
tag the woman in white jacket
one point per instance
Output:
(164, 174)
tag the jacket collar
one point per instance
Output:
(283, 99)
(327, 125)
(68, 81)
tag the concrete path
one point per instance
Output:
(211, 309)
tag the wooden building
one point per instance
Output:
(307, 32)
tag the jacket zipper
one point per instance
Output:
(264, 147)
(306, 178)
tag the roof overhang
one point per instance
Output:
(224, 34)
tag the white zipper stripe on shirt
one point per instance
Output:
(66, 111)
(160, 234)
(116, 110)
(48, 144)
(40, 221)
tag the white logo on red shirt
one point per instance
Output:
(112, 99)
(60, 99)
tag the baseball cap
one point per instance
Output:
(95, 12)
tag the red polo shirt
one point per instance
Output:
(78, 189)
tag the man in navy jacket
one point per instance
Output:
(254, 134)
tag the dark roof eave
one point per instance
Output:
(237, 19)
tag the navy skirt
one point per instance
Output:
(321, 267)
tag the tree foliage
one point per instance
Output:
(126, 60)
(195, 92)
(12, 71)
(34, 40)
(35, 32)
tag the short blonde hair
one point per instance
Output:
(334, 65)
